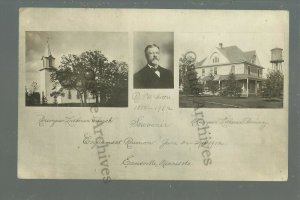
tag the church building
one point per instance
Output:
(46, 85)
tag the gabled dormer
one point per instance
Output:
(215, 57)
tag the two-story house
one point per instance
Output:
(222, 61)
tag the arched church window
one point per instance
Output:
(69, 94)
(232, 69)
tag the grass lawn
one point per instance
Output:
(80, 105)
(229, 102)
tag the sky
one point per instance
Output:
(113, 45)
(203, 43)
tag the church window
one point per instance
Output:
(69, 94)
(232, 69)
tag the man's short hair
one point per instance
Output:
(150, 46)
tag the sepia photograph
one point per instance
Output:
(153, 60)
(150, 100)
(76, 69)
(238, 70)
(112, 99)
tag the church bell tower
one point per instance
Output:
(46, 83)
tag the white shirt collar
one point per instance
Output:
(151, 66)
(156, 72)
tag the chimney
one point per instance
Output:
(221, 45)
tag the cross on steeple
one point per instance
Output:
(49, 50)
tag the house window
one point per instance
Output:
(211, 70)
(232, 71)
(259, 72)
(216, 60)
(215, 71)
(69, 94)
(254, 59)
(203, 72)
(248, 69)
(78, 95)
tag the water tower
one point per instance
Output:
(276, 59)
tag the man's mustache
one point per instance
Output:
(155, 59)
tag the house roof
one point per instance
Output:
(249, 76)
(249, 55)
(234, 55)
(201, 62)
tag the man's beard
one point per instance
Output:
(155, 61)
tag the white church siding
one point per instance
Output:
(72, 98)
(46, 84)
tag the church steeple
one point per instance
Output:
(49, 50)
(49, 60)
(46, 83)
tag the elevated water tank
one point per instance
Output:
(276, 55)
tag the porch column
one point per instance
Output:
(247, 89)
(219, 84)
(255, 87)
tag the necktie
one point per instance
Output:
(156, 71)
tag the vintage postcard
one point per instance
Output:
(153, 94)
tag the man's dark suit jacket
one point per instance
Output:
(146, 78)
